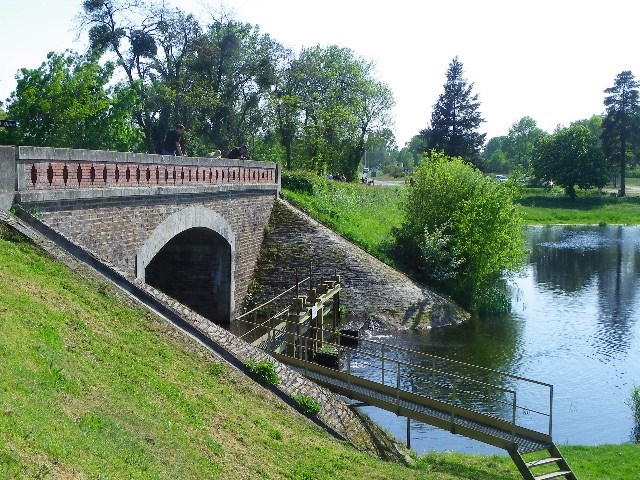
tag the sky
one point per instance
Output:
(547, 59)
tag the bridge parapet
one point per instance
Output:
(45, 173)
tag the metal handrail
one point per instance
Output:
(448, 360)
(273, 299)
(257, 326)
(451, 400)
(435, 371)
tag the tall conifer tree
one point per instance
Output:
(455, 119)
(621, 125)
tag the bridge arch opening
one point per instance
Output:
(190, 256)
(194, 267)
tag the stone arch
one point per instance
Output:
(191, 257)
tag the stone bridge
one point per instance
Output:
(190, 227)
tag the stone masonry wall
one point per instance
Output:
(114, 228)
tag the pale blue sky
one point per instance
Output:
(548, 59)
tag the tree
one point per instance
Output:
(493, 156)
(461, 232)
(571, 156)
(231, 75)
(338, 104)
(216, 80)
(455, 119)
(286, 107)
(621, 125)
(520, 143)
(381, 148)
(66, 103)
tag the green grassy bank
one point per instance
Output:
(365, 214)
(591, 207)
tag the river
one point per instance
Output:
(574, 323)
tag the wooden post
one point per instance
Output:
(319, 329)
(408, 432)
(290, 329)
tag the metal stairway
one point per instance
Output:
(548, 467)
(518, 441)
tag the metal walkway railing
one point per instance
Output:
(477, 402)
(498, 408)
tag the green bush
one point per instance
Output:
(461, 231)
(263, 371)
(301, 181)
(309, 406)
(216, 369)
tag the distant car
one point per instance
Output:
(501, 178)
(365, 170)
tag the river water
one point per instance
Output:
(575, 323)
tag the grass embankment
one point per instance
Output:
(589, 207)
(92, 387)
(363, 214)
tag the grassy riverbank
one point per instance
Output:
(366, 215)
(363, 214)
(591, 207)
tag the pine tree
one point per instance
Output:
(621, 125)
(455, 119)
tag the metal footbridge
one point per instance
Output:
(508, 411)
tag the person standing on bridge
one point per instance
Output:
(238, 153)
(172, 143)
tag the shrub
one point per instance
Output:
(461, 231)
(309, 406)
(301, 181)
(216, 369)
(263, 371)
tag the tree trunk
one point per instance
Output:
(623, 164)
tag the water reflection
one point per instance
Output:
(574, 324)
(573, 259)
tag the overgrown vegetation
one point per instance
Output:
(461, 232)
(367, 215)
(309, 406)
(264, 372)
(634, 404)
(363, 214)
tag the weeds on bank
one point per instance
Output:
(264, 372)
(308, 405)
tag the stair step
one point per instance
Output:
(547, 476)
(542, 461)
